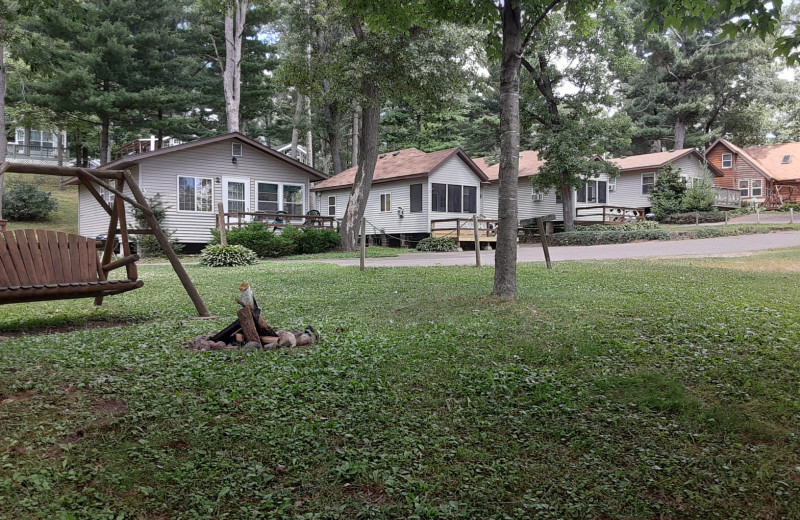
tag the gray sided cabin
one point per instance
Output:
(192, 178)
(414, 194)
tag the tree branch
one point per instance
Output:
(552, 5)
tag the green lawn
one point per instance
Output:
(620, 389)
(66, 216)
(372, 252)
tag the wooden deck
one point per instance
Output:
(462, 230)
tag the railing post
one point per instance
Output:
(477, 241)
(791, 215)
(543, 236)
(223, 233)
(758, 215)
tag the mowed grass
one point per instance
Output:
(620, 389)
(65, 217)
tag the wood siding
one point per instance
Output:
(714, 156)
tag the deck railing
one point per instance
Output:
(277, 220)
(727, 197)
(610, 215)
(28, 153)
(461, 229)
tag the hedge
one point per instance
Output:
(266, 244)
(589, 238)
(437, 245)
(693, 217)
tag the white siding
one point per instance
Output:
(92, 218)
(629, 185)
(454, 171)
(160, 175)
(527, 207)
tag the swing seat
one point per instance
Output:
(39, 265)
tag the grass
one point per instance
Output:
(761, 228)
(66, 216)
(372, 252)
(619, 389)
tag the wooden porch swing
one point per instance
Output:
(38, 265)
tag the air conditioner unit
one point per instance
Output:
(236, 149)
(537, 196)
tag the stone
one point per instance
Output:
(251, 345)
(219, 345)
(286, 339)
(304, 339)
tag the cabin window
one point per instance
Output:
(267, 197)
(386, 202)
(470, 199)
(416, 198)
(454, 198)
(236, 149)
(559, 198)
(744, 188)
(727, 161)
(236, 196)
(593, 191)
(612, 184)
(293, 199)
(537, 196)
(439, 197)
(332, 205)
(756, 187)
(648, 182)
(195, 194)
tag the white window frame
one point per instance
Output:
(726, 157)
(384, 207)
(233, 149)
(332, 206)
(243, 180)
(653, 183)
(746, 187)
(178, 195)
(760, 187)
(611, 185)
(303, 210)
(280, 194)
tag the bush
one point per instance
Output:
(698, 198)
(266, 244)
(227, 256)
(27, 203)
(147, 245)
(613, 236)
(312, 241)
(691, 218)
(787, 207)
(437, 245)
(668, 192)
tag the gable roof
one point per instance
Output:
(655, 161)
(130, 160)
(768, 159)
(529, 164)
(410, 163)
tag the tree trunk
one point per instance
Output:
(505, 271)
(160, 129)
(309, 142)
(680, 134)
(104, 148)
(336, 158)
(3, 139)
(232, 72)
(568, 207)
(655, 146)
(26, 141)
(367, 158)
(356, 131)
(298, 113)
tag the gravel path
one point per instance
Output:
(725, 246)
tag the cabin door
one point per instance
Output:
(236, 194)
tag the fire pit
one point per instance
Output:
(251, 331)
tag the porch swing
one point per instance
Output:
(39, 265)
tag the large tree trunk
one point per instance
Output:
(356, 130)
(336, 158)
(655, 146)
(232, 72)
(367, 158)
(568, 207)
(505, 270)
(3, 140)
(680, 134)
(309, 142)
(298, 114)
(104, 146)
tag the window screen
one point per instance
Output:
(454, 198)
(416, 198)
(470, 199)
(438, 197)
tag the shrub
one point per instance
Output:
(147, 245)
(787, 207)
(613, 236)
(227, 256)
(437, 245)
(668, 192)
(691, 218)
(312, 241)
(27, 203)
(698, 198)
(628, 226)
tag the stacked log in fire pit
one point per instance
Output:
(251, 331)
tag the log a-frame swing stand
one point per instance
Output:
(37, 265)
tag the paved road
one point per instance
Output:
(533, 253)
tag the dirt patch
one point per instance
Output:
(19, 397)
(110, 407)
(373, 494)
(60, 329)
(177, 445)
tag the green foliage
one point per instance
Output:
(147, 245)
(227, 256)
(437, 245)
(25, 202)
(258, 238)
(312, 241)
(612, 236)
(787, 207)
(628, 226)
(702, 217)
(668, 192)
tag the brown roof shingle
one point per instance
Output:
(651, 160)
(529, 164)
(770, 159)
(402, 164)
